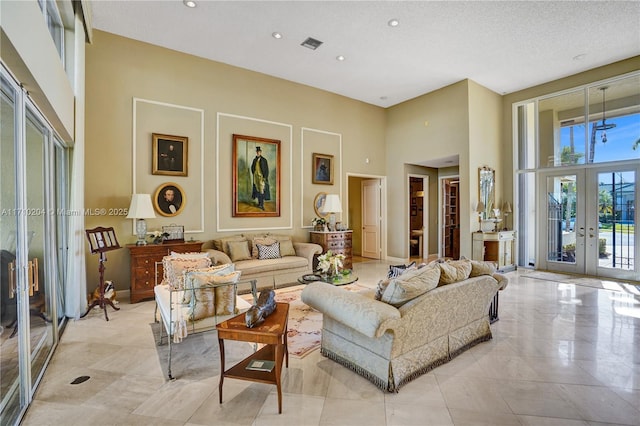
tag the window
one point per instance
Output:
(54, 23)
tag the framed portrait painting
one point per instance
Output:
(322, 169)
(256, 176)
(169, 155)
(169, 199)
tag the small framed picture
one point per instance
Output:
(169, 199)
(169, 155)
(322, 169)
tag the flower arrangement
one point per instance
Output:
(319, 223)
(158, 236)
(330, 263)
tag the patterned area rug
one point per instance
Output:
(305, 323)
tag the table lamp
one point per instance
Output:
(332, 206)
(506, 209)
(480, 210)
(141, 209)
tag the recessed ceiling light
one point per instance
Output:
(276, 35)
(393, 22)
(189, 3)
(340, 58)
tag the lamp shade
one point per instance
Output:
(140, 207)
(506, 207)
(480, 207)
(332, 204)
(419, 193)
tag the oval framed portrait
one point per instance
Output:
(169, 199)
(318, 202)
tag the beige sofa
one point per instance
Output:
(391, 346)
(296, 259)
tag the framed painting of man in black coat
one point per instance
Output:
(169, 155)
(256, 176)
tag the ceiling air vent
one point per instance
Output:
(311, 43)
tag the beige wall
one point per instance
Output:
(233, 100)
(37, 66)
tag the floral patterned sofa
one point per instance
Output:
(423, 319)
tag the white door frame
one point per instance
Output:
(425, 212)
(383, 206)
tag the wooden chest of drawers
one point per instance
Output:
(143, 265)
(338, 242)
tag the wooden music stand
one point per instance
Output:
(102, 240)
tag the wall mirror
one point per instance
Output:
(487, 183)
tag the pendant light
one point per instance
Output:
(604, 126)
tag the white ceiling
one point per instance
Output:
(505, 46)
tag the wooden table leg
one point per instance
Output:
(221, 344)
(279, 355)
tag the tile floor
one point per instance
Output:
(561, 354)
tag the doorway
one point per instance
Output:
(450, 223)
(418, 216)
(588, 221)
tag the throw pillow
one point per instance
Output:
(410, 285)
(174, 267)
(453, 271)
(265, 241)
(189, 255)
(482, 268)
(191, 274)
(397, 270)
(286, 248)
(269, 252)
(382, 286)
(207, 288)
(239, 250)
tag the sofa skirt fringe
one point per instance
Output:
(472, 343)
(419, 372)
(356, 368)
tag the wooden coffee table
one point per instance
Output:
(272, 332)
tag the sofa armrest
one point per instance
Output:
(217, 257)
(307, 250)
(359, 312)
(502, 280)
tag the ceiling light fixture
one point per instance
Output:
(189, 3)
(340, 58)
(276, 35)
(604, 126)
(393, 22)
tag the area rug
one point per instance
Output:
(305, 323)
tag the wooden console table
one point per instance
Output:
(143, 265)
(273, 333)
(339, 242)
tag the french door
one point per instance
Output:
(588, 221)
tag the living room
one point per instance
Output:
(134, 89)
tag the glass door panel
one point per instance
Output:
(614, 234)
(562, 224)
(10, 405)
(39, 282)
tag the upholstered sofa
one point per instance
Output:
(292, 260)
(391, 345)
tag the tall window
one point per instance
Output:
(54, 23)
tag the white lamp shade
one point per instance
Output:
(141, 207)
(506, 207)
(332, 204)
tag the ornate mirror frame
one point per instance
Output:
(487, 190)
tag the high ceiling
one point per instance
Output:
(505, 46)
